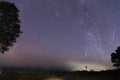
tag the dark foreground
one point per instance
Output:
(34, 74)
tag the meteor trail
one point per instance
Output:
(114, 32)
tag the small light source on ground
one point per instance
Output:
(54, 78)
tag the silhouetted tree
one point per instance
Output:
(115, 58)
(9, 25)
(86, 67)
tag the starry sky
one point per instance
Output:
(68, 32)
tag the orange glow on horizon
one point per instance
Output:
(54, 78)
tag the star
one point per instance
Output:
(57, 14)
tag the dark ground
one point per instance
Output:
(36, 74)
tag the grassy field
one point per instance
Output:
(23, 74)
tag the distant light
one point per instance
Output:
(54, 78)
(90, 66)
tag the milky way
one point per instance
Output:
(70, 30)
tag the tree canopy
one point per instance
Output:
(9, 25)
(115, 58)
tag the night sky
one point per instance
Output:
(66, 32)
